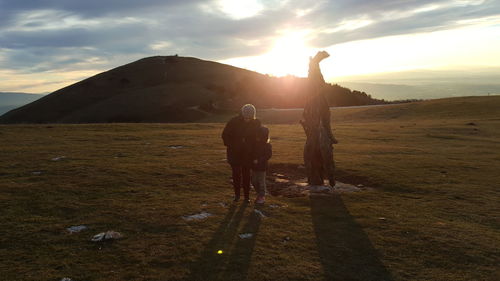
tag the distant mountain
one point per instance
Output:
(171, 89)
(9, 101)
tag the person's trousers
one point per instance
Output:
(259, 182)
(241, 179)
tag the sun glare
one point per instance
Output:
(288, 56)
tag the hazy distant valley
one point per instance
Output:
(427, 84)
(9, 101)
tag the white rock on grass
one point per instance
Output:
(58, 158)
(200, 216)
(245, 235)
(345, 187)
(108, 235)
(76, 228)
(260, 213)
(175, 146)
(274, 206)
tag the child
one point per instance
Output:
(261, 154)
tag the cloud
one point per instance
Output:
(47, 35)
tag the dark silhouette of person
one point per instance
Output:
(239, 136)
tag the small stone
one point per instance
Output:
(260, 213)
(66, 279)
(108, 235)
(382, 219)
(245, 235)
(76, 228)
(58, 158)
(98, 237)
(112, 235)
(175, 146)
(200, 216)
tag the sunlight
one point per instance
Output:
(441, 49)
(288, 56)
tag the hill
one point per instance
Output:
(426, 208)
(170, 89)
(9, 101)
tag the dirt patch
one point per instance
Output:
(289, 180)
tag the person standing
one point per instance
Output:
(239, 137)
(262, 153)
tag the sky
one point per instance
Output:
(48, 44)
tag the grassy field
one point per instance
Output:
(433, 213)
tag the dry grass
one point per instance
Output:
(433, 164)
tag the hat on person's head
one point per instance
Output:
(248, 111)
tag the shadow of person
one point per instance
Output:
(345, 250)
(240, 257)
(234, 260)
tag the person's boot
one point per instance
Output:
(260, 200)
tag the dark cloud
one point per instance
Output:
(119, 31)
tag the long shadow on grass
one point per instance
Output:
(234, 261)
(344, 248)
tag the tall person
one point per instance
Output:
(239, 136)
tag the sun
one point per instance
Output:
(288, 55)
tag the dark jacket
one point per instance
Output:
(262, 153)
(239, 137)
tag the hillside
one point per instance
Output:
(170, 89)
(426, 207)
(9, 101)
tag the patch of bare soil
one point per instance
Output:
(289, 181)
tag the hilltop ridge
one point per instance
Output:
(170, 89)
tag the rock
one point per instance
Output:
(278, 175)
(108, 235)
(319, 188)
(345, 187)
(200, 216)
(112, 235)
(286, 239)
(245, 235)
(98, 237)
(58, 158)
(277, 206)
(76, 228)
(259, 212)
(66, 279)
(175, 146)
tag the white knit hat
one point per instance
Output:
(248, 111)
